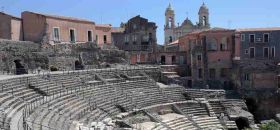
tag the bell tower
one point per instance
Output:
(169, 25)
(203, 16)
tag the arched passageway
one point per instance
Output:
(78, 65)
(162, 60)
(19, 67)
(242, 123)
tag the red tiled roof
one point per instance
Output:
(258, 29)
(61, 17)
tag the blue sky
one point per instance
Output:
(223, 13)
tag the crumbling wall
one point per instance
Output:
(25, 52)
(60, 56)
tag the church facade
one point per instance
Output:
(173, 32)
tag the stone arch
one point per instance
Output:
(19, 67)
(78, 65)
(170, 21)
(170, 39)
(242, 123)
(204, 21)
(212, 44)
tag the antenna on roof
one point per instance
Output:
(229, 24)
(187, 13)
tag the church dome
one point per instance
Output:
(187, 21)
(203, 8)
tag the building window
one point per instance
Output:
(252, 38)
(173, 59)
(170, 39)
(72, 35)
(246, 51)
(272, 52)
(146, 38)
(200, 73)
(56, 34)
(126, 38)
(96, 39)
(224, 42)
(266, 37)
(134, 38)
(212, 73)
(212, 45)
(89, 36)
(138, 57)
(252, 52)
(182, 60)
(224, 72)
(204, 21)
(199, 57)
(105, 39)
(223, 47)
(150, 36)
(246, 77)
(242, 37)
(134, 26)
(265, 52)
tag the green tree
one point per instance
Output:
(272, 125)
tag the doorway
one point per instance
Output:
(78, 65)
(242, 123)
(173, 60)
(162, 60)
(19, 67)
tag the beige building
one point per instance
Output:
(56, 29)
(103, 34)
(10, 27)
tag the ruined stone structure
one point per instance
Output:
(95, 85)
(138, 38)
(31, 56)
(119, 98)
(16, 55)
(173, 32)
(10, 27)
